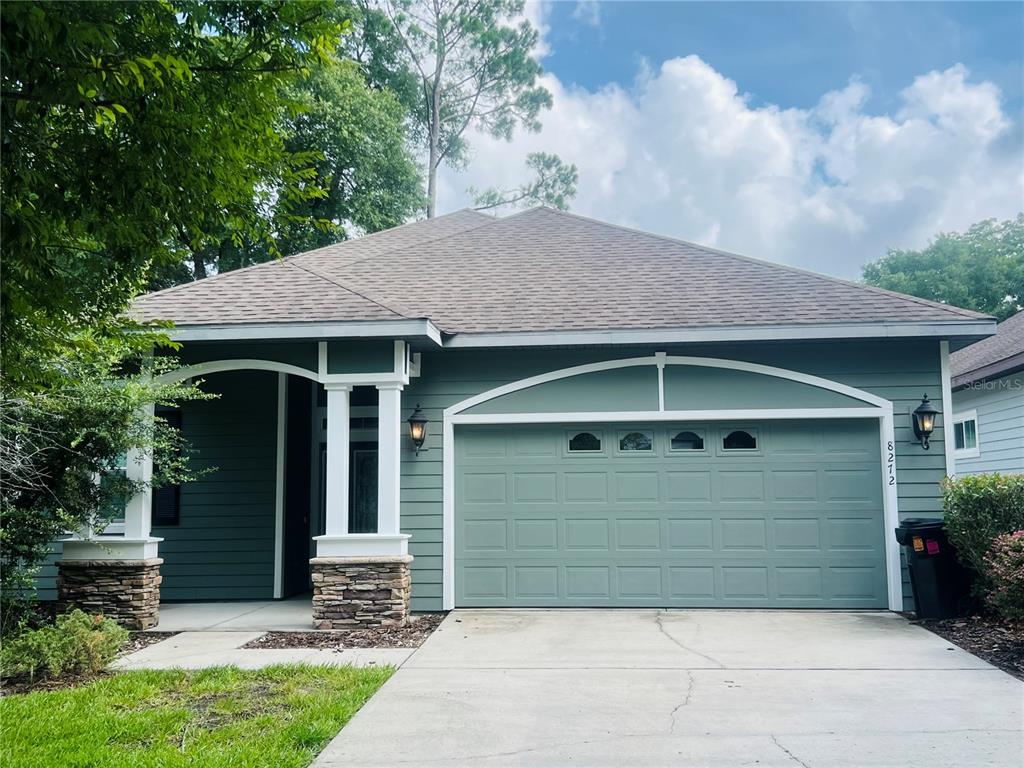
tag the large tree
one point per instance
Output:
(361, 175)
(130, 132)
(474, 67)
(980, 269)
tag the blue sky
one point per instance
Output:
(791, 53)
(815, 134)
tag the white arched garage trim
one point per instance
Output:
(875, 408)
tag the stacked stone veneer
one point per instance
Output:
(354, 592)
(127, 591)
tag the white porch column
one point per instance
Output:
(138, 512)
(389, 457)
(336, 523)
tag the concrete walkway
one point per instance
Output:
(686, 688)
(200, 650)
(292, 615)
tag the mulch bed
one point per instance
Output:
(139, 640)
(410, 636)
(1000, 642)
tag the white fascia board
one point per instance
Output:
(286, 331)
(971, 328)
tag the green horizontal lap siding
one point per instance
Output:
(619, 389)
(223, 548)
(689, 387)
(898, 370)
(796, 522)
(361, 356)
(1000, 407)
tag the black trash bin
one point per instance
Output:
(942, 586)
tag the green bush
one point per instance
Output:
(1005, 562)
(74, 643)
(978, 508)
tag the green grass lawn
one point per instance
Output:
(277, 717)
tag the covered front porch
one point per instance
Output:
(301, 495)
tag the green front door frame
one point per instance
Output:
(874, 408)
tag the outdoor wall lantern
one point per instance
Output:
(924, 421)
(418, 428)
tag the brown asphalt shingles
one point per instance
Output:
(1006, 344)
(540, 270)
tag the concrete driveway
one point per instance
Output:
(686, 688)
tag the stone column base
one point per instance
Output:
(127, 591)
(358, 592)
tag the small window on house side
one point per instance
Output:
(167, 500)
(687, 441)
(739, 440)
(584, 442)
(965, 434)
(636, 441)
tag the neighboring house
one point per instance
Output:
(988, 402)
(613, 418)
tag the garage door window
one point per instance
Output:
(687, 441)
(740, 440)
(585, 442)
(636, 442)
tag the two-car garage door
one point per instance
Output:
(761, 514)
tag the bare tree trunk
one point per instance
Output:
(435, 118)
(432, 177)
(198, 265)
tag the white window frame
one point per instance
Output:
(962, 418)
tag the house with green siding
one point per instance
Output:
(988, 402)
(539, 410)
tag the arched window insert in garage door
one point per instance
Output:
(820, 398)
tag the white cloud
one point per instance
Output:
(588, 12)
(684, 153)
(538, 12)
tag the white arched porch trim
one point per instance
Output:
(221, 366)
(875, 408)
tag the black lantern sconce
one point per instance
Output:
(924, 421)
(418, 428)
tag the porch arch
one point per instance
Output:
(220, 366)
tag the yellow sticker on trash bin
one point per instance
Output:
(918, 544)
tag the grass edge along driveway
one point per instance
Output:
(280, 716)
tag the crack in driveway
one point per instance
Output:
(683, 703)
(793, 757)
(665, 632)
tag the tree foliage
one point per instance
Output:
(132, 134)
(474, 67)
(554, 185)
(980, 269)
(370, 180)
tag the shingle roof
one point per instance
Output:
(539, 270)
(990, 357)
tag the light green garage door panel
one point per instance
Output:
(770, 514)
